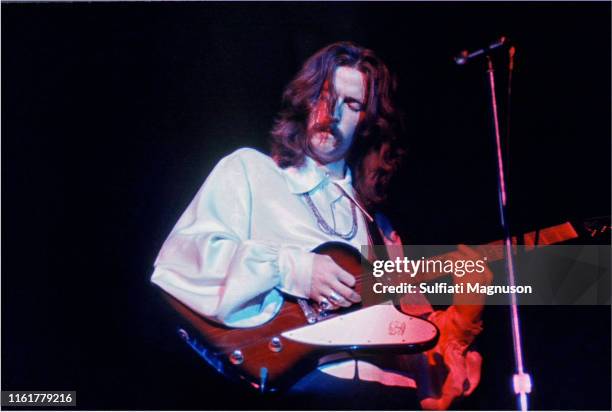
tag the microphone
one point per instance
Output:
(465, 56)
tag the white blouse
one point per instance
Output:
(248, 234)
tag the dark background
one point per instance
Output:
(113, 115)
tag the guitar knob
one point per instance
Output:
(236, 358)
(275, 344)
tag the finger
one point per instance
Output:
(326, 305)
(320, 296)
(473, 363)
(346, 292)
(337, 299)
(468, 251)
(345, 277)
(433, 404)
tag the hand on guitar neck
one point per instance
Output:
(462, 316)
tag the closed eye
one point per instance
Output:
(354, 105)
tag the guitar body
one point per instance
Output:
(282, 368)
(276, 354)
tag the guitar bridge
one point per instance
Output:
(309, 312)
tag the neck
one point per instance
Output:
(335, 169)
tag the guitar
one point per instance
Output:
(276, 354)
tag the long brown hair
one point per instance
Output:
(376, 151)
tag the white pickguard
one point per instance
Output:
(382, 324)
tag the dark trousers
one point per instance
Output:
(318, 390)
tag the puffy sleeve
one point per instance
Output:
(210, 263)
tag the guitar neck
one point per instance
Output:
(494, 251)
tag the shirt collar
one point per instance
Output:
(310, 175)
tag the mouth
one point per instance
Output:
(326, 140)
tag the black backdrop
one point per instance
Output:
(114, 113)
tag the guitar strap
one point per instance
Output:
(377, 246)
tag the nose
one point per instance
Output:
(337, 112)
(328, 111)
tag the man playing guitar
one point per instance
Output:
(247, 237)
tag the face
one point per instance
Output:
(331, 130)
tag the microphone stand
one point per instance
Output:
(521, 380)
